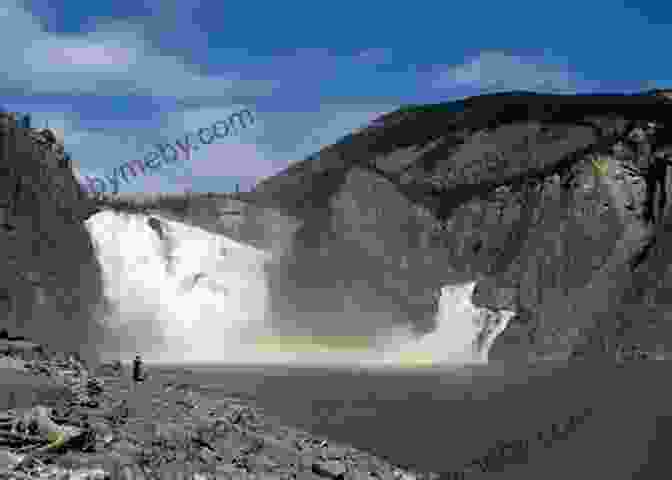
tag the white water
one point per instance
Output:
(464, 332)
(188, 295)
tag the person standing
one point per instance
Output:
(137, 369)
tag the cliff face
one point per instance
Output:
(556, 205)
(49, 277)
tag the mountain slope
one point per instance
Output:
(501, 189)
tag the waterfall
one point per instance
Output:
(464, 332)
(176, 293)
(181, 294)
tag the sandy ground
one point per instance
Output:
(435, 420)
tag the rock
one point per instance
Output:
(223, 424)
(261, 463)
(308, 475)
(401, 475)
(9, 460)
(101, 429)
(126, 448)
(281, 451)
(335, 453)
(235, 451)
(637, 135)
(200, 476)
(330, 468)
(275, 476)
(227, 469)
(383, 474)
(307, 460)
(207, 456)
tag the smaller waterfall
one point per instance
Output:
(464, 332)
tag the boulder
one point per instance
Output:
(330, 469)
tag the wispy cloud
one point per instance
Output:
(493, 70)
(375, 56)
(114, 59)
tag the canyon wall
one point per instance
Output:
(49, 277)
(557, 206)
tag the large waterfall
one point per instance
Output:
(176, 293)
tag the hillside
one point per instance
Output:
(502, 189)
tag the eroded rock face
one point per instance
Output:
(556, 206)
(551, 203)
(49, 278)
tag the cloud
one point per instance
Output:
(499, 71)
(264, 148)
(252, 155)
(376, 56)
(238, 160)
(115, 59)
(236, 156)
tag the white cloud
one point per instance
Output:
(248, 155)
(347, 120)
(113, 60)
(241, 156)
(234, 156)
(497, 70)
(375, 56)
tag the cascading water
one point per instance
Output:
(177, 293)
(186, 295)
(464, 332)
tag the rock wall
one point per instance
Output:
(49, 277)
(556, 205)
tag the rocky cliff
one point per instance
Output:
(557, 206)
(49, 277)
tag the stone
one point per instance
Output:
(330, 468)
(227, 469)
(360, 475)
(637, 135)
(306, 461)
(283, 452)
(308, 475)
(9, 460)
(333, 452)
(262, 463)
(124, 447)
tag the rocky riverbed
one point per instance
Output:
(102, 425)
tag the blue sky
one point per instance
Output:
(116, 76)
